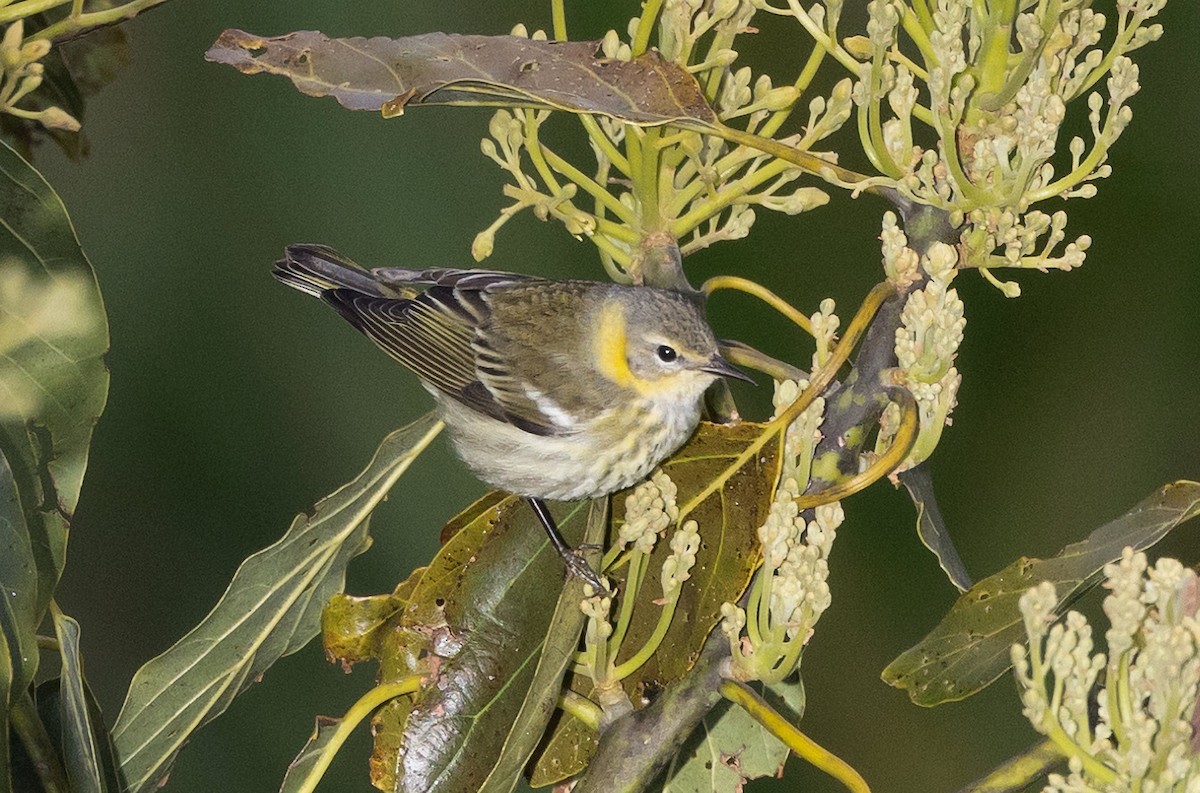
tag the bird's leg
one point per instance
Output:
(570, 556)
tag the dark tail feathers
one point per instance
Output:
(318, 270)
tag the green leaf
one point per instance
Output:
(728, 493)
(489, 627)
(730, 747)
(53, 382)
(299, 768)
(449, 69)
(19, 617)
(728, 515)
(541, 699)
(81, 751)
(271, 609)
(487, 601)
(568, 749)
(352, 627)
(6, 676)
(50, 707)
(931, 526)
(970, 646)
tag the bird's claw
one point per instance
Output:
(580, 567)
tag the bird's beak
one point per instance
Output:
(723, 368)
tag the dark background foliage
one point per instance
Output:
(236, 403)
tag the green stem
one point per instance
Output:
(921, 7)
(732, 189)
(772, 124)
(71, 25)
(28, 8)
(1017, 76)
(802, 159)
(606, 245)
(589, 185)
(558, 15)
(896, 56)
(799, 743)
(641, 39)
(361, 709)
(581, 708)
(651, 646)
(534, 147)
(831, 46)
(1076, 175)
(756, 289)
(602, 141)
(28, 727)
(633, 582)
(1020, 771)
(992, 69)
(760, 605)
(645, 184)
(745, 355)
(915, 29)
(616, 231)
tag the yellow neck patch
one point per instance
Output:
(611, 349)
(611, 345)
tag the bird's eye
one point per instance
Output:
(666, 354)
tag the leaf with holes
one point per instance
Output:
(730, 747)
(53, 382)
(390, 75)
(970, 646)
(479, 625)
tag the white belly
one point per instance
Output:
(582, 464)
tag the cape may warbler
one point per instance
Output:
(553, 390)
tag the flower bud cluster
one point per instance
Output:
(790, 590)
(706, 188)
(802, 436)
(649, 510)
(1135, 730)
(900, 262)
(998, 109)
(799, 592)
(683, 23)
(927, 342)
(23, 74)
(678, 565)
(513, 139)
(596, 607)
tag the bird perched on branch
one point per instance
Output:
(552, 390)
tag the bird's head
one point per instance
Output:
(657, 343)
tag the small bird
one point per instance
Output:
(551, 390)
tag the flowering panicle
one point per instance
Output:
(789, 593)
(1126, 718)
(999, 80)
(649, 510)
(927, 341)
(706, 189)
(23, 74)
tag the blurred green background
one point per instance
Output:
(236, 403)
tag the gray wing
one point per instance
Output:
(438, 334)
